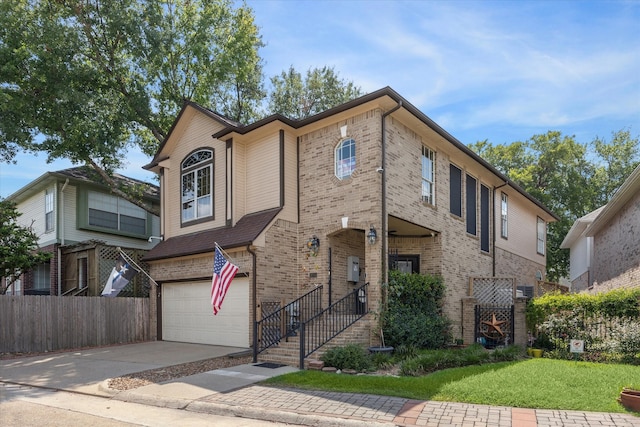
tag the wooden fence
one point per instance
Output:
(33, 323)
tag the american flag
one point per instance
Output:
(223, 274)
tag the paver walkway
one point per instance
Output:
(406, 412)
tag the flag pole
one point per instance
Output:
(224, 253)
(130, 260)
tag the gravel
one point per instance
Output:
(154, 376)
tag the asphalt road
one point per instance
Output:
(29, 406)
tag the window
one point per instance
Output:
(471, 205)
(455, 190)
(428, 163)
(541, 232)
(484, 218)
(503, 215)
(42, 276)
(405, 263)
(114, 213)
(345, 158)
(197, 186)
(13, 288)
(48, 210)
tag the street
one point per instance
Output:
(30, 406)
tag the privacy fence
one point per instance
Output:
(47, 323)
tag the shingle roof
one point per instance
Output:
(243, 233)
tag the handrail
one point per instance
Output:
(324, 326)
(285, 321)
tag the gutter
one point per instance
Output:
(384, 190)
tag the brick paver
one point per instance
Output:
(407, 412)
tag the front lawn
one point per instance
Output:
(532, 383)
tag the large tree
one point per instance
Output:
(296, 97)
(569, 177)
(86, 79)
(19, 251)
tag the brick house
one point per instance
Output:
(604, 245)
(79, 221)
(294, 204)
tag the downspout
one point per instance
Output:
(384, 191)
(62, 241)
(255, 305)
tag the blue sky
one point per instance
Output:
(496, 70)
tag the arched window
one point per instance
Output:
(345, 158)
(197, 185)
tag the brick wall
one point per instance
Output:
(616, 262)
(524, 270)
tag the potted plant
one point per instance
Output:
(383, 348)
(630, 399)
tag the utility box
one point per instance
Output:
(353, 269)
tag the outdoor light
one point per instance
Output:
(313, 244)
(372, 235)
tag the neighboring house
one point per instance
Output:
(267, 192)
(79, 221)
(605, 244)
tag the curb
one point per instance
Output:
(282, 416)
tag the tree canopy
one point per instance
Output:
(321, 89)
(86, 80)
(19, 251)
(569, 177)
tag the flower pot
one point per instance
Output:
(630, 399)
(536, 352)
(529, 351)
(383, 350)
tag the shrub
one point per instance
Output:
(414, 312)
(351, 356)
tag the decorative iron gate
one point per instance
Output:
(494, 325)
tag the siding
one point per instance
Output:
(263, 174)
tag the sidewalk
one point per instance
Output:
(234, 391)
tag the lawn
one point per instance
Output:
(532, 383)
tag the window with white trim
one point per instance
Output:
(428, 175)
(504, 206)
(197, 186)
(541, 233)
(345, 157)
(48, 210)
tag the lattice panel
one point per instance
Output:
(494, 325)
(139, 286)
(491, 290)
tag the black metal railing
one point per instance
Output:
(318, 330)
(278, 324)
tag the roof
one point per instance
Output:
(231, 127)
(83, 174)
(247, 229)
(578, 228)
(629, 189)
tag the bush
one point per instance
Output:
(351, 356)
(414, 313)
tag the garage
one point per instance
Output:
(187, 315)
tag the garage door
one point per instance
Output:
(187, 315)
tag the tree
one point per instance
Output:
(18, 246)
(321, 89)
(85, 80)
(570, 178)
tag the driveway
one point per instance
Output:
(84, 370)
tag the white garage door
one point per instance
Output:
(187, 315)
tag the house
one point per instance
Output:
(329, 202)
(81, 223)
(604, 245)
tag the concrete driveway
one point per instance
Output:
(84, 370)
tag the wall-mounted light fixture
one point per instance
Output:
(155, 237)
(313, 244)
(372, 235)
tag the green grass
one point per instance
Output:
(533, 383)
